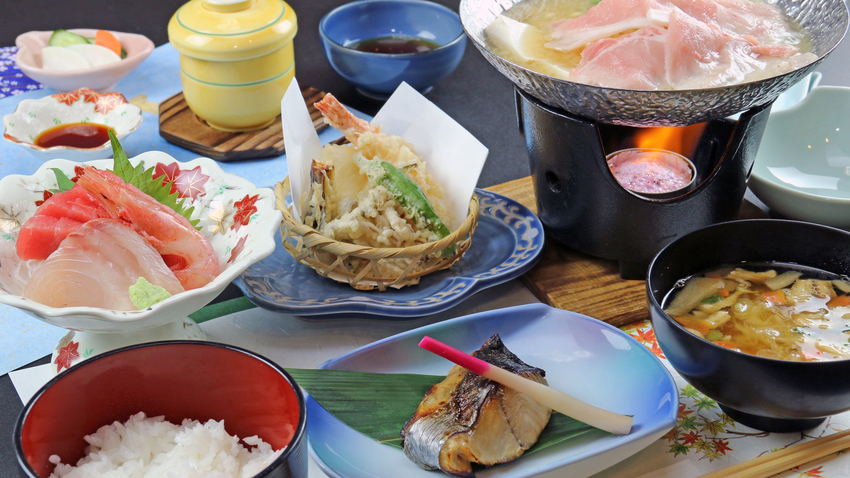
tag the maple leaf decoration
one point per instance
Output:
(103, 104)
(186, 183)
(237, 249)
(67, 98)
(66, 355)
(244, 209)
(45, 196)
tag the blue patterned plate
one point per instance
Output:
(591, 360)
(507, 243)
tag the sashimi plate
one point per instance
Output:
(237, 218)
(584, 357)
(506, 244)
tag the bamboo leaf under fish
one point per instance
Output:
(378, 404)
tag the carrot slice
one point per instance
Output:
(776, 297)
(700, 325)
(840, 301)
(728, 345)
(107, 40)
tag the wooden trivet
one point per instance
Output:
(570, 280)
(180, 125)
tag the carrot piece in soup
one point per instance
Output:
(840, 301)
(775, 297)
(107, 40)
(700, 325)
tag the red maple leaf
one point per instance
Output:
(108, 102)
(656, 349)
(244, 209)
(88, 95)
(186, 183)
(647, 335)
(67, 98)
(240, 244)
(721, 446)
(814, 472)
(45, 196)
(683, 411)
(66, 355)
(690, 438)
(78, 171)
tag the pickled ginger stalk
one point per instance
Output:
(408, 194)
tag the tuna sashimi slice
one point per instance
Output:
(634, 61)
(606, 19)
(95, 267)
(60, 215)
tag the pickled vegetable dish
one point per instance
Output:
(783, 314)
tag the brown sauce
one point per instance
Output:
(75, 135)
(394, 45)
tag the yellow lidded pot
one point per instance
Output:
(236, 59)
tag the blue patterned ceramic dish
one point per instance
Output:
(584, 357)
(505, 245)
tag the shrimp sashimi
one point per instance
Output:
(95, 267)
(185, 250)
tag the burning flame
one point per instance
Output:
(680, 139)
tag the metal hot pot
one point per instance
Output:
(571, 128)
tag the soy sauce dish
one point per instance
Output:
(178, 380)
(378, 44)
(84, 113)
(764, 393)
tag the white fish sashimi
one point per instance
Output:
(95, 267)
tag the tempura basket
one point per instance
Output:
(332, 258)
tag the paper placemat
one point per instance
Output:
(704, 439)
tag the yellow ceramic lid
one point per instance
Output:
(223, 30)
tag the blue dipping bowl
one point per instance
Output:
(379, 74)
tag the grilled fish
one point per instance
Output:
(467, 418)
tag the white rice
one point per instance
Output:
(154, 448)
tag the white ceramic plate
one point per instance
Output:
(584, 357)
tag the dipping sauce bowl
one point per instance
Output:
(377, 74)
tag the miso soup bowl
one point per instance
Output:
(179, 379)
(379, 74)
(763, 393)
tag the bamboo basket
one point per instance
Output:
(333, 259)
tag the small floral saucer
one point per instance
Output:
(32, 117)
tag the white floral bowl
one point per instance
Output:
(239, 220)
(32, 117)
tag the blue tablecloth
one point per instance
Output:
(24, 338)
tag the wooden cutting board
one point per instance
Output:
(180, 125)
(570, 280)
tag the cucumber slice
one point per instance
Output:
(90, 40)
(64, 38)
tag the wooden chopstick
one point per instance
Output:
(783, 460)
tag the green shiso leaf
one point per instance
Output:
(143, 179)
(379, 404)
(63, 183)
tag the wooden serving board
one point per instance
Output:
(180, 125)
(570, 280)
